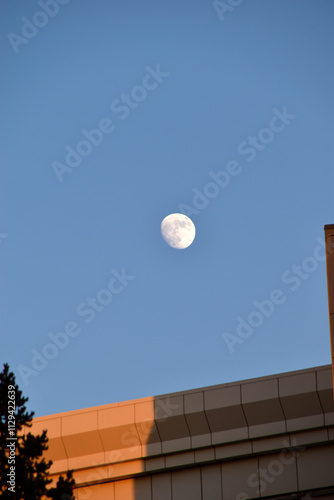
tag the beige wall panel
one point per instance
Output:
(173, 428)
(262, 412)
(123, 439)
(278, 473)
(194, 402)
(144, 411)
(196, 419)
(96, 474)
(180, 459)
(130, 468)
(290, 385)
(315, 436)
(84, 493)
(53, 426)
(156, 463)
(316, 467)
(171, 423)
(56, 453)
(259, 391)
(186, 484)
(211, 482)
(324, 382)
(146, 427)
(224, 413)
(114, 456)
(56, 450)
(223, 409)
(205, 455)
(143, 489)
(125, 490)
(168, 406)
(224, 419)
(118, 431)
(81, 439)
(149, 438)
(230, 435)
(162, 486)
(301, 405)
(79, 423)
(176, 445)
(198, 424)
(297, 424)
(269, 429)
(240, 478)
(98, 492)
(84, 449)
(82, 444)
(222, 397)
(116, 416)
(233, 450)
(176, 435)
(201, 441)
(270, 444)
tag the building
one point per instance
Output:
(269, 437)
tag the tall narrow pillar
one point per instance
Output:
(329, 237)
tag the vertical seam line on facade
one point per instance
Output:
(243, 411)
(280, 403)
(185, 418)
(207, 421)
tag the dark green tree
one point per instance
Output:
(24, 473)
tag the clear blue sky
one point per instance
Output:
(178, 90)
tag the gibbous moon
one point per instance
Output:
(178, 230)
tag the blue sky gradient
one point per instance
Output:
(223, 113)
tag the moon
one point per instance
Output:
(178, 231)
